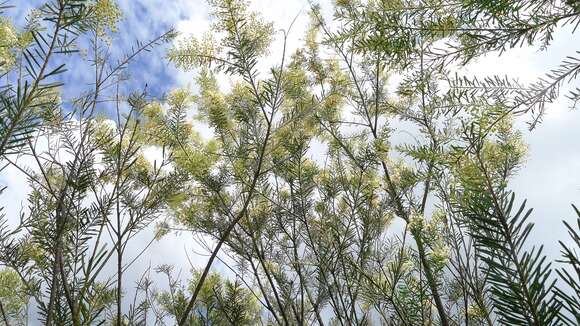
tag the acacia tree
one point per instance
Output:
(314, 237)
(307, 192)
(88, 180)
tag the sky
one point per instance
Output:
(550, 179)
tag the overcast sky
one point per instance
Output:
(550, 180)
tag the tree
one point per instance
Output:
(320, 212)
(85, 172)
(333, 217)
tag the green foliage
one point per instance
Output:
(245, 39)
(13, 297)
(333, 218)
(221, 302)
(570, 275)
(312, 199)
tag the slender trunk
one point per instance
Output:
(431, 281)
(119, 284)
(51, 48)
(53, 289)
(263, 290)
(269, 278)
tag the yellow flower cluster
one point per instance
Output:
(191, 52)
(345, 3)
(12, 291)
(416, 222)
(180, 98)
(107, 14)
(211, 102)
(475, 312)
(8, 40)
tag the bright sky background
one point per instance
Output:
(550, 180)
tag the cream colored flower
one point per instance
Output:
(107, 14)
(416, 222)
(8, 40)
